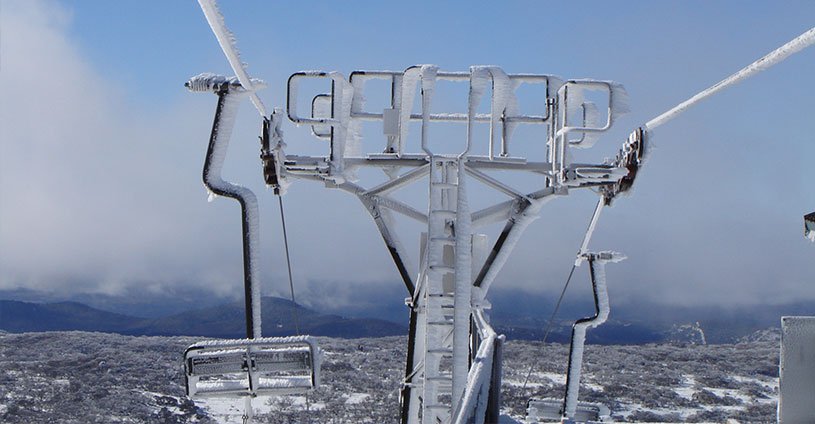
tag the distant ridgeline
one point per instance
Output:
(628, 325)
(219, 321)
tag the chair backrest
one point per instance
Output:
(250, 367)
(538, 410)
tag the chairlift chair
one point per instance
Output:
(551, 410)
(255, 365)
(252, 367)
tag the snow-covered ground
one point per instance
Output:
(73, 377)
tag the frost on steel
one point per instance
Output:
(453, 365)
(452, 371)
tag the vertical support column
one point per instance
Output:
(462, 304)
(797, 371)
(494, 398)
(597, 263)
(410, 393)
(228, 100)
(438, 293)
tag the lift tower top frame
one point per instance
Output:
(452, 371)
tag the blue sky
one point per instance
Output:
(101, 148)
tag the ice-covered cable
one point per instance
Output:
(550, 323)
(590, 231)
(227, 42)
(288, 265)
(776, 56)
(580, 257)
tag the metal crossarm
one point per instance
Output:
(450, 288)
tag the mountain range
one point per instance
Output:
(518, 315)
(280, 318)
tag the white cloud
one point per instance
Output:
(99, 192)
(86, 197)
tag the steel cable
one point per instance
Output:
(295, 316)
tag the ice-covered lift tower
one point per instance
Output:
(452, 372)
(453, 366)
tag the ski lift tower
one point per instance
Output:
(452, 372)
(453, 367)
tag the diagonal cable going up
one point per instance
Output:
(776, 56)
(583, 249)
(227, 41)
(550, 323)
(288, 265)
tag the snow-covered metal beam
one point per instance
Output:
(230, 93)
(527, 212)
(774, 57)
(384, 223)
(597, 263)
(227, 42)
